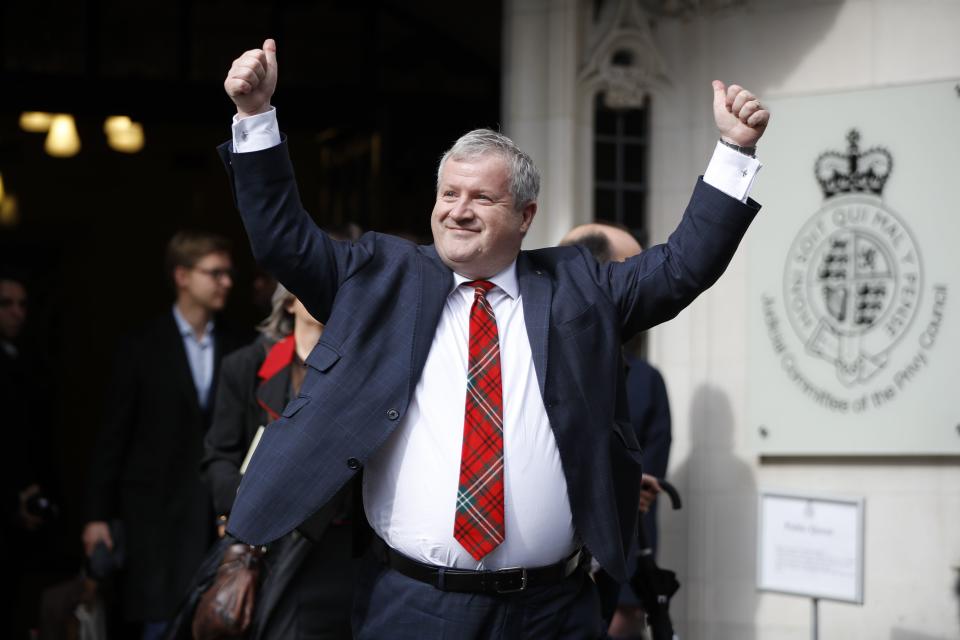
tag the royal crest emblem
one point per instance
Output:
(853, 275)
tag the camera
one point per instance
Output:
(42, 507)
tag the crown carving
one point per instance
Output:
(854, 172)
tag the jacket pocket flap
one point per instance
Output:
(322, 357)
(625, 432)
(295, 405)
(585, 319)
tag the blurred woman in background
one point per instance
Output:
(306, 583)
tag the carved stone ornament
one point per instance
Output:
(687, 8)
(622, 61)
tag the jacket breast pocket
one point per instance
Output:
(580, 322)
(322, 358)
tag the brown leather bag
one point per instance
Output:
(226, 609)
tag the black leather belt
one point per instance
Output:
(508, 580)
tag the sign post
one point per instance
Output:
(815, 626)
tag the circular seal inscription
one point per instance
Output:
(852, 284)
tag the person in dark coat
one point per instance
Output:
(307, 589)
(30, 527)
(22, 434)
(144, 471)
(650, 416)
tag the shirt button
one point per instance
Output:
(393, 414)
(353, 463)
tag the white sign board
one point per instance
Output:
(811, 546)
(854, 332)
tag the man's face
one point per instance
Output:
(476, 229)
(13, 309)
(208, 282)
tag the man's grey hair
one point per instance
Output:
(524, 177)
(279, 324)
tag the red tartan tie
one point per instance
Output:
(479, 522)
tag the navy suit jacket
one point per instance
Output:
(381, 298)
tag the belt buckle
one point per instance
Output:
(516, 579)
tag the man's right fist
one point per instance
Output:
(252, 79)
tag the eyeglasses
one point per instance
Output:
(12, 302)
(217, 274)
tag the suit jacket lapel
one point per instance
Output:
(536, 292)
(436, 282)
(181, 367)
(218, 348)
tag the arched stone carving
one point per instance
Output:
(622, 60)
(687, 8)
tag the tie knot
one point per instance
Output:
(481, 287)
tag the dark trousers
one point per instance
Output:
(391, 605)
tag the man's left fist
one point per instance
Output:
(739, 115)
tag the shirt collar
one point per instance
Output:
(186, 331)
(506, 280)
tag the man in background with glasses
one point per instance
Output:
(144, 477)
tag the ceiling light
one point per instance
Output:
(35, 121)
(123, 134)
(114, 124)
(63, 140)
(9, 212)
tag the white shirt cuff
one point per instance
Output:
(732, 172)
(255, 133)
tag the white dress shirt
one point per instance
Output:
(410, 484)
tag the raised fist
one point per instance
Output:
(252, 79)
(739, 115)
